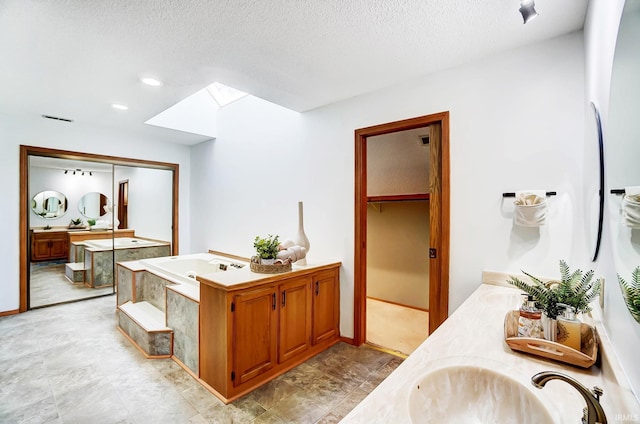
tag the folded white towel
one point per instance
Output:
(292, 254)
(630, 209)
(530, 208)
(539, 193)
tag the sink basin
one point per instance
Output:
(469, 393)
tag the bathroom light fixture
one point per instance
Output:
(119, 106)
(528, 10)
(150, 81)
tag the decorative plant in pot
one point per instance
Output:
(574, 289)
(76, 223)
(267, 248)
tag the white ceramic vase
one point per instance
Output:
(550, 328)
(301, 238)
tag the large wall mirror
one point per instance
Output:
(69, 226)
(623, 142)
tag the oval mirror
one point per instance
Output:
(49, 204)
(594, 180)
(92, 204)
(623, 148)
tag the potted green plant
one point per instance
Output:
(76, 223)
(267, 248)
(574, 289)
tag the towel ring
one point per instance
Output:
(513, 194)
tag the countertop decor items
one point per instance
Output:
(584, 358)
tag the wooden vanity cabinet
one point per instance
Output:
(294, 318)
(326, 307)
(254, 327)
(49, 246)
(252, 335)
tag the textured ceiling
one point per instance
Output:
(73, 58)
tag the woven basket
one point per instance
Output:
(269, 269)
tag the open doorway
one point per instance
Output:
(436, 127)
(398, 240)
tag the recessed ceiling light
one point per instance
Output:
(119, 106)
(151, 81)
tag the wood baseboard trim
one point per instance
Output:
(11, 312)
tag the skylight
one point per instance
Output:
(223, 94)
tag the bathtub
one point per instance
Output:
(187, 267)
(119, 243)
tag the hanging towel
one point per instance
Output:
(630, 208)
(530, 208)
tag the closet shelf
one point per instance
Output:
(397, 198)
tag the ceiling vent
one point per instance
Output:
(57, 118)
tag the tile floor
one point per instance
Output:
(395, 327)
(69, 364)
(48, 285)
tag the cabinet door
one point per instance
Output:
(40, 248)
(326, 306)
(295, 318)
(255, 326)
(58, 245)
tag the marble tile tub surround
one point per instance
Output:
(99, 263)
(474, 333)
(69, 364)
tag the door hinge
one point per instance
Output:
(432, 253)
(233, 307)
(233, 375)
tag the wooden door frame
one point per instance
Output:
(123, 204)
(439, 209)
(26, 151)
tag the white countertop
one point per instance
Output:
(241, 278)
(474, 333)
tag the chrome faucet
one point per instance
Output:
(593, 413)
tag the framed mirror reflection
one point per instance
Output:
(72, 256)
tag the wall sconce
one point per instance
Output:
(528, 10)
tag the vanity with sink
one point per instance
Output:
(465, 372)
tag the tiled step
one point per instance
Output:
(74, 272)
(145, 325)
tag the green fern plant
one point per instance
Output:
(546, 298)
(631, 293)
(574, 289)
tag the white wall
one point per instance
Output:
(601, 28)
(36, 131)
(517, 122)
(398, 252)
(150, 201)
